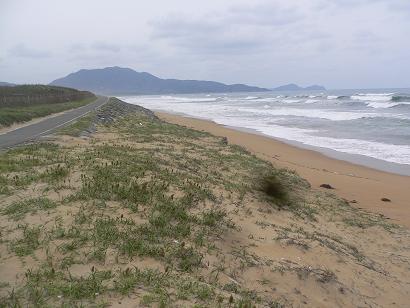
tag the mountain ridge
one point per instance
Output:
(119, 80)
(295, 87)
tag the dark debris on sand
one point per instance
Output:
(327, 186)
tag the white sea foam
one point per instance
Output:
(373, 97)
(269, 99)
(251, 97)
(311, 101)
(381, 104)
(174, 99)
(292, 101)
(385, 104)
(311, 113)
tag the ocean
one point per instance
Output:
(364, 126)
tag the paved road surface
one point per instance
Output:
(46, 126)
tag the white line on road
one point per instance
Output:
(55, 127)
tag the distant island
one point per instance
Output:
(295, 87)
(118, 80)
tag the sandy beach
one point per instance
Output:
(364, 186)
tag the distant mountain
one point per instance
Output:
(117, 80)
(316, 88)
(295, 87)
(6, 84)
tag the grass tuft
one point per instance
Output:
(18, 210)
(28, 243)
(274, 189)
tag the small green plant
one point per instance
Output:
(55, 174)
(213, 217)
(17, 210)
(28, 243)
(46, 282)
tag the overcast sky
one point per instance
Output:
(336, 43)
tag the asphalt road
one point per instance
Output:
(33, 131)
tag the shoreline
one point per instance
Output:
(351, 181)
(355, 159)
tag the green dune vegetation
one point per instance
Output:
(26, 102)
(146, 213)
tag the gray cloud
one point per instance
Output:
(206, 37)
(240, 29)
(104, 46)
(262, 42)
(266, 27)
(77, 47)
(266, 14)
(22, 51)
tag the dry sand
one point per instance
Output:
(353, 182)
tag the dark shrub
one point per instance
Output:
(273, 187)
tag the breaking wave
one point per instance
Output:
(400, 98)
